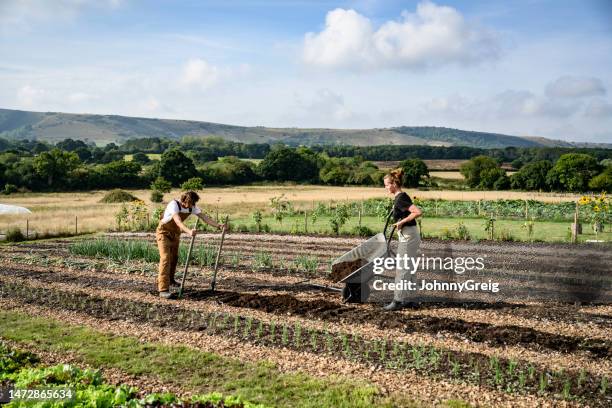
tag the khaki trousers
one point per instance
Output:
(168, 245)
(409, 242)
(168, 237)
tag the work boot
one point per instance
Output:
(166, 295)
(174, 283)
(395, 305)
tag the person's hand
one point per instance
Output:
(193, 232)
(223, 226)
(398, 225)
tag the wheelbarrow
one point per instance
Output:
(360, 260)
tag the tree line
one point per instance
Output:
(75, 165)
(203, 149)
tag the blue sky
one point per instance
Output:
(532, 68)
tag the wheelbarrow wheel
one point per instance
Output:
(355, 292)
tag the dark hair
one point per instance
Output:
(396, 176)
(189, 198)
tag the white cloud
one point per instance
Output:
(575, 87)
(199, 73)
(526, 103)
(431, 37)
(29, 96)
(598, 108)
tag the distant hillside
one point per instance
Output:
(103, 129)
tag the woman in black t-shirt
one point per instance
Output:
(404, 215)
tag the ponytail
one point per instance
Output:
(396, 176)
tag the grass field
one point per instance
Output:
(437, 227)
(152, 156)
(58, 212)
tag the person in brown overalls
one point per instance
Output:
(168, 236)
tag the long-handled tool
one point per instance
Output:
(214, 279)
(180, 294)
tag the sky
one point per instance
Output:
(522, 67)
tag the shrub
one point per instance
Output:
(118, 196)
(161, 184)
(9, 188)
(363, 231)
(157, 196)
(194, 183)
(461, 232)
(505, 235)
(14, 235)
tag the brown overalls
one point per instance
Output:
(168, 237)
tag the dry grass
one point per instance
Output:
(455, 175)
(56, 212)
(435, 165)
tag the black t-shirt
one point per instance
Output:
(401, 203)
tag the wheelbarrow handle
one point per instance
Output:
(388, 238)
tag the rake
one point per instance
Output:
(180, 294)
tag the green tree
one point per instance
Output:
(286, 164)
(335, 172)
(55, 165)
(473, 169)
(532, 176)
(572, 172)
(120, 173)
(141, 158)
(176, 167)
(414, 170)
(603, 181)
(493, 178)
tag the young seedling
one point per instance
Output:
(434, 357)
(297, 335)
(522, 377)
(455, 368)
(236, 324)
(366, 352)
(603, 385)
(329, 342)
(417, 357)
(567, 389)
(345, 346)
(247, 326)
(531, 371)
(259, 331)
(273, 331)
(285, 335)
(498, 375)
(543, 383)
(225, 321)
(383, 349)
(511, 367)
(581, 377)
(313, 340)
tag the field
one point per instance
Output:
(58, 212)
(434, 165)
(277, 333)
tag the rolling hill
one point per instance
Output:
(103, 129)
